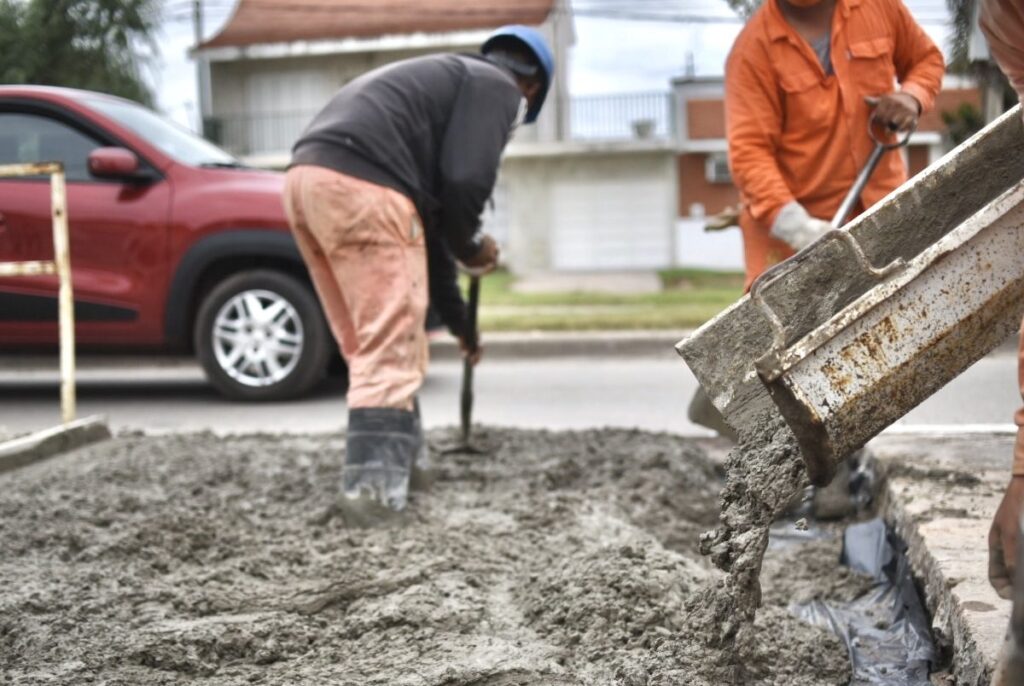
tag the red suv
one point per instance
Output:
(175, 246)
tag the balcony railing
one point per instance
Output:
(603, 117)
(619, 117)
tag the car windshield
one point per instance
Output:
(176, 141)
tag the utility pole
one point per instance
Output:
(202, 67)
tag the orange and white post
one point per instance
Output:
(61, 266)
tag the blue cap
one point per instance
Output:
(533, 40)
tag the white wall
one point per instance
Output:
(587, 210)
(710, 250)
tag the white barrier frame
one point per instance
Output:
(61, 266)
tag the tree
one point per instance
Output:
(93, 44)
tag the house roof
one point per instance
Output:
(285, 21)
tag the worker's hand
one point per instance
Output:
(1002, 539)
(897, 111)
(486, 258)
(474, 355)
(798, 229)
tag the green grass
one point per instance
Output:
(689, 297)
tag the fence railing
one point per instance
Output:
(600, 117)
(61, 266)
(618, 117)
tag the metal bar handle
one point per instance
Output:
(881, 147)
(783, 268)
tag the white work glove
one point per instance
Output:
(794, 227)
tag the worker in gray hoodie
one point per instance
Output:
(384, 195)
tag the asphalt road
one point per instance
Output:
(649, 391)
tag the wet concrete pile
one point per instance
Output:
(564, 558)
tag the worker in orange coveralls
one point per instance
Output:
(1002, 21)
(801, 84)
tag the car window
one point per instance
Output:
(173, 140)
(27, 138)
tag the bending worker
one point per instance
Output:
(802, 81)
(391, 175)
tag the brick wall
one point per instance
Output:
(705, 119)
(694, 187)
(948, 100)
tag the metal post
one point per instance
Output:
(61, 266)
(65, 299)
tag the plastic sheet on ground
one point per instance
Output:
(886, 631)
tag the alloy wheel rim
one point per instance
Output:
(257, 338)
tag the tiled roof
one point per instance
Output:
(284, 21)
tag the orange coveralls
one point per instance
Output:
(795, 133)
(1003, 24)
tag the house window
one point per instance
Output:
(716, 168)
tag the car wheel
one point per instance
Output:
(261, 335)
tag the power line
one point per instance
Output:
(611, 9)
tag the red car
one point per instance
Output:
(175, 246)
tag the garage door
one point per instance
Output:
(611, 224)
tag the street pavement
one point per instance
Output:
(566, 386)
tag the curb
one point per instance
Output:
(940, 502)
(537, 344)
(38, 446)
(497, 345)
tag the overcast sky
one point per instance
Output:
(612, 55)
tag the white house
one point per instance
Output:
(276, 62)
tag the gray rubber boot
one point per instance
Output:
(381, 447)
(422, 476)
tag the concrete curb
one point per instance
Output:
(38, 446)
(497, 345)
(939, 495)
(535, 344)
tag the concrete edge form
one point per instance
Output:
(38, 446)
(939, 494)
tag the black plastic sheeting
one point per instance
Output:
(886, 631)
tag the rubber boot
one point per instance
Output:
(381, 447)
(422, 476)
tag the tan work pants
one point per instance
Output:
(363, 245)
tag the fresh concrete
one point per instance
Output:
(939, 493)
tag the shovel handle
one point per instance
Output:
(472, 337)
(472, 341)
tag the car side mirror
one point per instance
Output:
(114, 163)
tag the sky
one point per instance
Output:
(613, 54)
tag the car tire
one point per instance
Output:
(261, 335)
